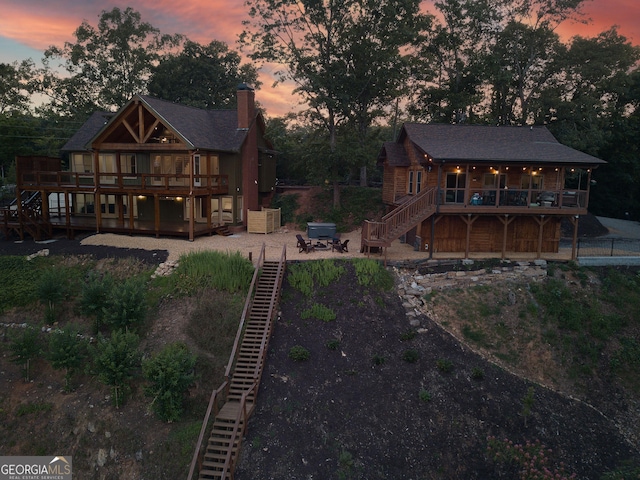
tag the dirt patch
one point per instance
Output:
(362, 411)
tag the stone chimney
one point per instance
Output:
(246, 106)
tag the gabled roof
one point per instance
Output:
(206, 129)
(87, 131)
(395, 154)
(199, 129)
(479, 143)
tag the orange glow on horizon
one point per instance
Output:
(39, 25)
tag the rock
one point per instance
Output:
(511, 298)
(102, 457)
(91, 427)
(139, 455)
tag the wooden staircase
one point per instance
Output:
(244, 371)
(399, 221)
(26, 218)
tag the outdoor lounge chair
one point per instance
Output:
(341, 247)
(303, 245)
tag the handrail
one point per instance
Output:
(229, 465)
(398, 221)
(274, 294)
(243, 318)
(213, 405)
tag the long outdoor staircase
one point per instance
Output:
(399, 221)
(26, 218)
(233, 402)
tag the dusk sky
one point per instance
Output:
(28, 27)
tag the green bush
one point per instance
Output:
(299, 354)
(51, 289)
(444, 365)
(378, 360)
(333, 344)
(127, 305)
(308, 276)
(320, 312)
(169, 374)
(114, 361)
(410, 356)
(424, 395)
(66, 352)
(25, 346)
(95, 297)
(196, 271)
(371, 273)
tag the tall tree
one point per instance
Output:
(203, 76)
(106, 65)
(16, 86)
(328, 49)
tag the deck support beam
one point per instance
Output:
(469, 220)
(541, 223)
(506, 221)
(574, 221)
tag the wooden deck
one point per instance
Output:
(139, 227)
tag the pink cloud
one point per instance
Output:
(39, 24)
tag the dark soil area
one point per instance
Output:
(64, 246)
(362, 411)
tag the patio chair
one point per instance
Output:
(340, 246)
(303, 245)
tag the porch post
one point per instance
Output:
(506, 221)
(131, 222)
(574, 222)
(192, 208)
(96, 191)
(156, 204)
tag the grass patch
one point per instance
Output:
(29, 408)
(320, 312)
(308, 276)
(371, 273)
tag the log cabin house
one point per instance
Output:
(154, 167)
(470, 188)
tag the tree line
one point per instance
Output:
(360, 68)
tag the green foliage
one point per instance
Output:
(320, 312)
(169, 373)
(214, 321)
(29, 408)
(107, 64)
(127, 304)
(424, 395)
(114, 361)
(477, 373)
(288, 204)
(202, 76)
(378, 360)
(410, 356)
(408, 335)
(372, 273)
(25, 346)
(66, 352)
(95, 297)
(299, 354)
(444, 365)
(51, 289)
(476, 335)
(229, 272)
(308, 276)
(333, 344)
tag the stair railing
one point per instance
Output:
(223, 390)
(402, 219)
(239, 427)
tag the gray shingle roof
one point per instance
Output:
(87, 131)
(395, 154)
(204, 129)
(478, 143)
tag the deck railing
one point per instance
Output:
(400, 220)
(121, 180)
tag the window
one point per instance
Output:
(415, 182)
(536, 182)
(455, 185)
(128, 163)
(82, 163)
